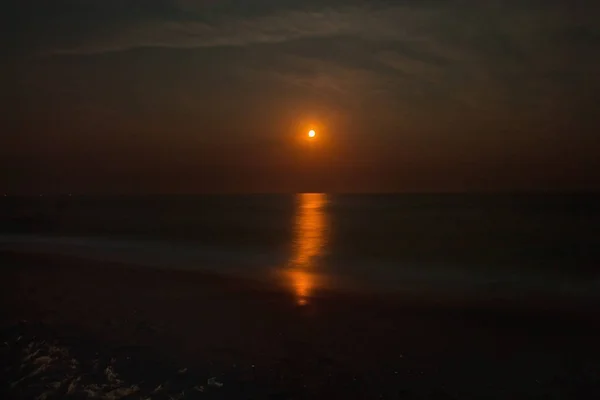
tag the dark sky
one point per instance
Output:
(151, 96)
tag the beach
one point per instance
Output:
(257, 341)
(300, 200)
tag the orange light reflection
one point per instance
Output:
(309, 240)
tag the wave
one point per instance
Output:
(356, 274)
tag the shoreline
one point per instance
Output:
(497, 295)
(550, 281)
(208, 322)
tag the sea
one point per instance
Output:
(316, 242)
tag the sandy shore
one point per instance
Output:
(255, 340)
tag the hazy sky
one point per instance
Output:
(217, 95)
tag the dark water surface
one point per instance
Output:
(310, 241)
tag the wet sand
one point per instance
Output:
(155, 327)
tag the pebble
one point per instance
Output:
(213, 382)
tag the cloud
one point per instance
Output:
(489, 28)
(489, 38)
(280, 27)
(512, 55)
